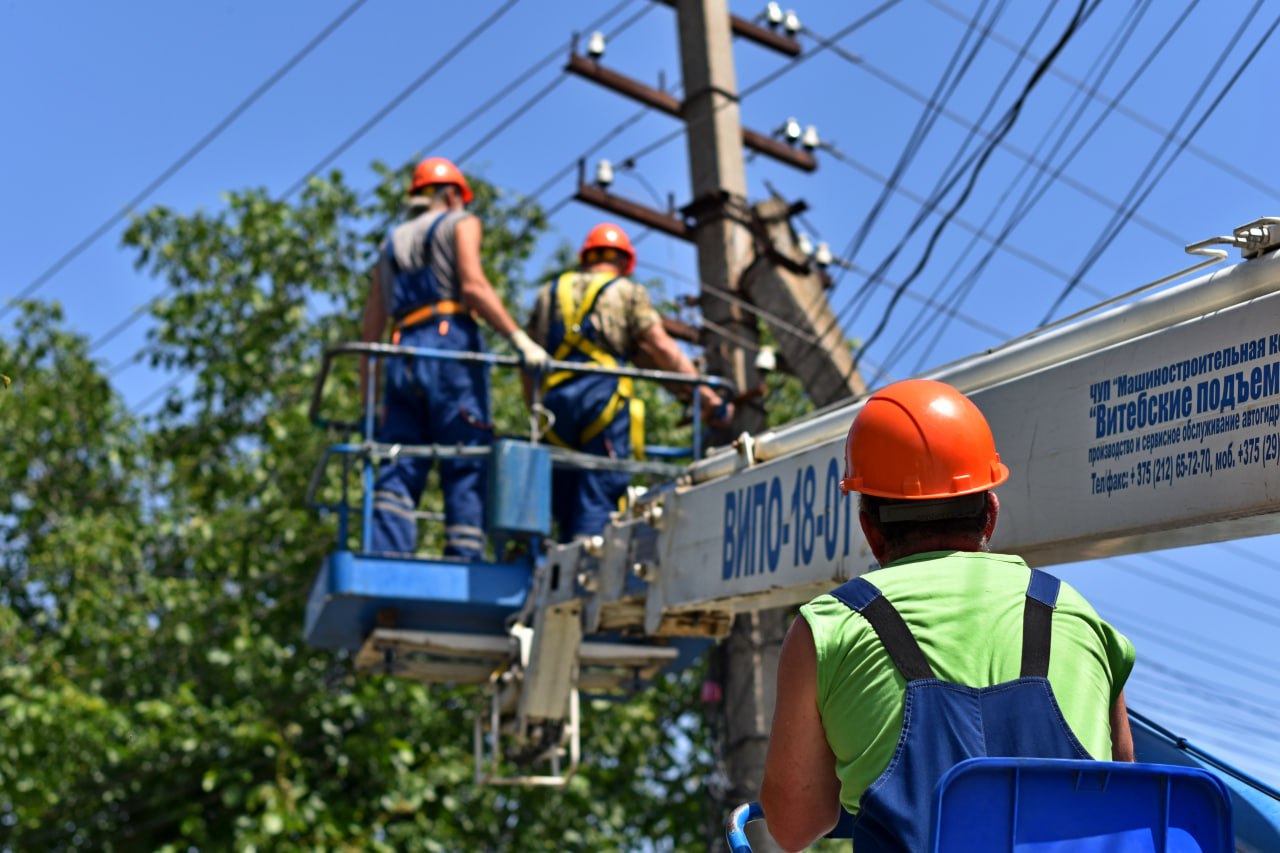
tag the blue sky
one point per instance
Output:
(103, 97)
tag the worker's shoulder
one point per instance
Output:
(948, 579)
(934, 569)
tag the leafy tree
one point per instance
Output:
(153, 572)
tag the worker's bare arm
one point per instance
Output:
(477, 293)
(1121, 737)
(801, 793)
(661, 349)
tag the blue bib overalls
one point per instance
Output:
(432, 401)
(944, 723)
(593, 413)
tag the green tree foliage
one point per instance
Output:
(154, 690)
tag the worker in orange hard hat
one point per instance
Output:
(429, 285)
(597, 314)
(960, 636)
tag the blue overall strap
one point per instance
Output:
(432, 284)
(862, 597)
(1037, 623)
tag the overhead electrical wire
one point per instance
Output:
(733, 299)
(141, 310)
(1257, 559)
(520, 79)
(1200, 593)
(1249, 178)
(1249, 593)
(974, 171)
(973, 167)
(186, 157)
(919, 327)
(863, 295)
(1258, 707)
(1040, 183)
(1030, 158)
(1216, 729)
(400, 97)
(1223, 657)
(957, 67)
(511, 118)
(537, 98)
(1138, 193)
(967, 319)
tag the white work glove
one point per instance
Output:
(535, 358)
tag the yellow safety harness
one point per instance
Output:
(573, 342)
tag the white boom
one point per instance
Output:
(1152, 425)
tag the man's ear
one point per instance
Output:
(875, 538)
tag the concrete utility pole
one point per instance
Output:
(724, 240)
(788, 286)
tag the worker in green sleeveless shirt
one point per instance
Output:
(923, 458)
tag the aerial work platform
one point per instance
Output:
(354, 591)
(1149, 424)
(502, 624)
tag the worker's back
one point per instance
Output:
(421, 262)
(614, 319)
(966, 612)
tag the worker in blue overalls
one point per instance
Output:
(597, 315)
(943, 653)
(430, 285)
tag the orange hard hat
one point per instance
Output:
(921, 440)
(606, 235)
(437, 170)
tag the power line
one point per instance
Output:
(968, 319)
(1137, 194)
(511, 118)
(733, 299)
(1251, 179)
(1010, 117)
(1189, 687)
(1258, 559)
(1036, 187)
(523, 77)
(135, 315)
(520, 78)
(400, 97)
(1028, 157)
(943, 90)
(227, 120)
(1202, 594)
(976, 161)
(1228, 659)
(1249, 593)
(925, 124)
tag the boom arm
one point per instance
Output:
(1152, 425)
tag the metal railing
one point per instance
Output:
(372, 451)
